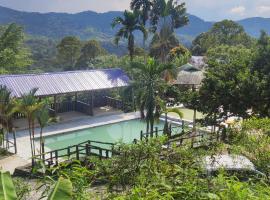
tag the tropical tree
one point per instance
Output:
(90, 50)
(14, 57)
(144, 7)
(130, 23)
(43, 118)
(61, 189)
(228, 87)
(69, 50)
(7, 104)
(163, 42)
(226, 32)
(166, 111)
(168, 12)
(149, 87)
(29, 105)
(261, 69)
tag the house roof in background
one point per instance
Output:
(49, 84)
(189, 78)
(198, 61)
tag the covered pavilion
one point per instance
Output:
(85, 89)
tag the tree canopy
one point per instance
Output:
(90, 50)
(228, 87)
(14, 57)
(69, 50)
(226, 32)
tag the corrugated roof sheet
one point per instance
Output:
(198, 61)
(189, 78)
(65, 82)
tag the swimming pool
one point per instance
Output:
(125, 131)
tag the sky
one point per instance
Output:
(211, 10)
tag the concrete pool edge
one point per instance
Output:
(23, 144)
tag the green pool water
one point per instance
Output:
(125, 131)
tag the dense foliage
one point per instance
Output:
(14, 57)
(222, 33)
(147, 170)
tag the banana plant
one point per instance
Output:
(7, 189)
(62, 190)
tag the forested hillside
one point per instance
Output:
(92, 25)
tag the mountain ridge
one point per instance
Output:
(90, 24)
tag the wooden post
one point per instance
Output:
(91, 104)
(156, 131)
(7, 140)
(51, 160)
(68, 152)
(183, 126)
(194, 120)
(181, 141)
(75, 101)
(15, 142)
(151, 134)
(87, 149)
(55, 105)
(100, 153)
(112, 150)
(77, 152)
(141, 136)
(107, 154)
(170, 130)
(56, 157)
(43, 151)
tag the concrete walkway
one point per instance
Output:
(12, 162)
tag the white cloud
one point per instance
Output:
(239, 10)
(263, 9)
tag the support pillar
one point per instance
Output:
(55, 104)
(91, 104)
(75, 101)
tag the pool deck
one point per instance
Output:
(74, 123)
(23, 144)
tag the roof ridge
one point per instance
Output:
(61, 72)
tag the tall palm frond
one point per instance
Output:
(144, 6)
(163, 42)
(29, 106)
(170, 12)
(129, 23)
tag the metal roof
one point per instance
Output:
(189, 78)
(198, 62)
(65, 82)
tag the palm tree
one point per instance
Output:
(144, 7)
(170, 12)
(129, 23)
(43, 118)
(29, 106)
(170, 110)
(148, 88)
(163, 42)
(7, 104)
